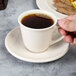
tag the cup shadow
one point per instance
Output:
(35, 5)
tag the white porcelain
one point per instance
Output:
(48, 5)
(38, 40)
(15, 46)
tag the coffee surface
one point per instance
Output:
(36, 21)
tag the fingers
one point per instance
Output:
(74, 42)
(63, 32)
(67, 24)
(68, 38)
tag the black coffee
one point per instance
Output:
(37, 21)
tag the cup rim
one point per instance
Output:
(26, 13)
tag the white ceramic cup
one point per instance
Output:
(38, 40)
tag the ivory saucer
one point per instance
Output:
(48, 5)
(15, 46)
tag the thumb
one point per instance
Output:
(68, 25)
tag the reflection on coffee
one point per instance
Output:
(37, 21)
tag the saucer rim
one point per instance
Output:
(38, 2)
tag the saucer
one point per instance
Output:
(48, 5)
(15, 46)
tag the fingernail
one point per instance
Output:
(61, 22)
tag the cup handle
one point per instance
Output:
(59, 39)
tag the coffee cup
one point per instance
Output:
(37, 36)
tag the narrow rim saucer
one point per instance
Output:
(15, 46)
(48, 5)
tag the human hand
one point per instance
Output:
(68, 29)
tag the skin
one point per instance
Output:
(68, 29)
